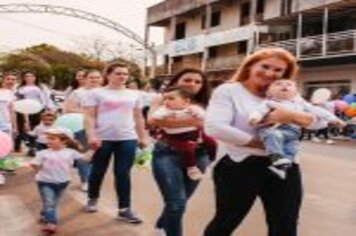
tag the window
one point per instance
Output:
(242, 47)
(177, 59)
(286, 7)
(203, 21)
(245, 13)
(260, 6)
(180, 31)
(213, 52)
(215, 19)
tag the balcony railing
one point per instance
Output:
(320, 46)
(224, 63)
(170, 8)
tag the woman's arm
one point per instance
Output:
(89, 123)
(219, 117)
(140, 128)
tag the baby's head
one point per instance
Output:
(48, 118)
(177, 98)
(282, 89)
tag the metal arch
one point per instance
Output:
(59, 10)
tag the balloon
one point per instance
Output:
(320, 96)
(28, 106)
(349, 98)
(341, 105)
(353, 105)
(5, 144)
(350, 112)
(72, 121)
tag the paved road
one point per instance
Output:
(329, 206)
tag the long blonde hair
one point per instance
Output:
(243, 72)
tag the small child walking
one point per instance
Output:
(39, 132)
(177, 102)
(53, 172)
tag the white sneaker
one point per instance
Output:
(278, 172)
(84, 187)
(329, 141)
(282, 161)
(2, 179)
(316, 140)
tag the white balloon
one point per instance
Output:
(28, 106)
(320, 96)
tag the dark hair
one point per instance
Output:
(203, 96)
(181, 91)
(111, 67)
(75, 84)
(48, 114)
(23, 82)
(13, 73)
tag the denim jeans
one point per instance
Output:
(82, 166)
(50, 194)
(174, 184)
(283, 140)
(124, 156)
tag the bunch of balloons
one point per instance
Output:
(347, 105)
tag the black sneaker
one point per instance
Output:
(128, 216)
(31, 153)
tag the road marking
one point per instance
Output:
(15, 218)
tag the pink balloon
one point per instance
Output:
(5, 144)
(341, 105)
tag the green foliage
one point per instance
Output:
(48, 61)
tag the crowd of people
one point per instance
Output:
(251, 125)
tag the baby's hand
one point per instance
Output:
(254, 121)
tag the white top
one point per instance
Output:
(39, 132)
(115, 112)
(78, 96)
(36, 93)
(227, 120)
(6, 98)
(191, 111)
(147, 98)
(55, 165)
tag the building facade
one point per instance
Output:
(215, 35)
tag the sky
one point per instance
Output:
(19, 30)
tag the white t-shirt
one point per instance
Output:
(78, 96)
(147, 98)
(6, 98)
(39, 132)
(55, 165)
(195, 111)
(35, 93)
(115, 112)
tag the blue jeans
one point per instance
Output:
(50, 194)
(83, 167)
(174, 184)
(124, 156)
(283, 140)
